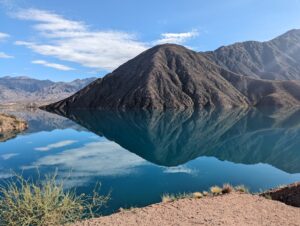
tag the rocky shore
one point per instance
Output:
(10, 126)
(235, 208)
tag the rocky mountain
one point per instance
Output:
(172, 76)
(25, 90)
(172, 138)
(277, 59)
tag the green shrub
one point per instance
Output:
(24, 202)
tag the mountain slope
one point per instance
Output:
(166, 76)
(277, 59)
(171, 76)
(24, 90)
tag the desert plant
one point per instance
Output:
(205, 193)
(44, 202)
(216, 190)
(170, 198)
(227, 188)
(167, 198)
(197, 195)
(241, 188)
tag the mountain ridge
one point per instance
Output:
(276, 59)
(172, 76)
(25, 90)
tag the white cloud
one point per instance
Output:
(52, 65)
(177, 38)
(180, 169)
(74, 41)
(3, 36)
(5, 56)
(60, 144)
(9, 156)
(103, 158)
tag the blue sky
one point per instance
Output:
(62, 40)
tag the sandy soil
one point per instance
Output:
(230, 209)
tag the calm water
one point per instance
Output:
(140, 156)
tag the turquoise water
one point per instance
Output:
(139, 156)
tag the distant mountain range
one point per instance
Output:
(29, 91)
(259, 74)
(278, 59)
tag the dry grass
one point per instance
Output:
(205, 193)
(24, 202)
(241, 188)
(227, 188)
(167, 198)
(197, 195)
(216, 190)
(170, 198)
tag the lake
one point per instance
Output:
(139, 156)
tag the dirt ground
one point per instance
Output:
(230, 209)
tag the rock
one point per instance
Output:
(289, 194)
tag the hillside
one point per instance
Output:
(277, 59)
(25, 90)
(173, 77)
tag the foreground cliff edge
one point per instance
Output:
(232, 208)
(10, 126)
(173, 77)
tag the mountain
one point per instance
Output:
(172, 138)
(277, 59)
(25, 90)
(173, 77)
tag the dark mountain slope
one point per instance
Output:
(172, 138)
(167, 76)
(278, 59)
(171, 76)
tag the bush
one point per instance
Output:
(227, 188)
(241, 188)
(197, 195)
(167, 198)
(215, 190)
(24, 202)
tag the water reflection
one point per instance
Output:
(173, 138)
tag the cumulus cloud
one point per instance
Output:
(3, 36)
(52, 65)
(74, 41)
(9, 156)
(104, 158)
(60, 144)
(5, 56)
(177, 38)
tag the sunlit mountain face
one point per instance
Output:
(140, 155)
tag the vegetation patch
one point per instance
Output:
(241, 188)
(216, 190)
(45, 202)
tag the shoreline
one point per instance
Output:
(10, 126)
(233, 208)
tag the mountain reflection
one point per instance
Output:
(173, 138)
